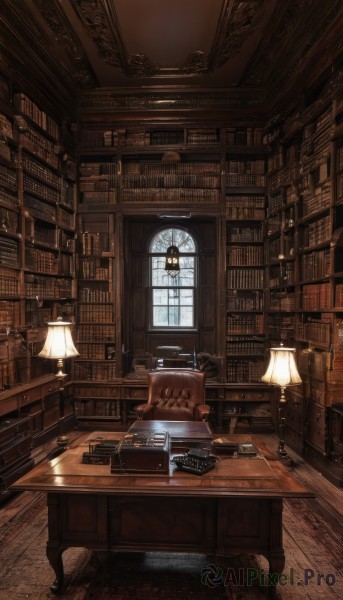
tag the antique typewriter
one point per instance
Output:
(196, 460)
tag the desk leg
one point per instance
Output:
(54, 547)
(54, 555)
(276, 555)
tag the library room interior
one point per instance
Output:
(171, 299)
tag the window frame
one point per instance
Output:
(194, 287)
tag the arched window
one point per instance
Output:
(173, 293)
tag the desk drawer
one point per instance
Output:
(31, 396)
(49, 388)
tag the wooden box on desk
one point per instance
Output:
(142, 452)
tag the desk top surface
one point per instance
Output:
(263, 476)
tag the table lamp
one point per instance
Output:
(282, 371)
(58, 346)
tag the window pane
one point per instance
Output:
(174, 312)
(160, 297)
(172, 237)
(186, 316)
(186, 297)
(160, 316)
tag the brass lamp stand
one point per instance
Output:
(282, 371)
(58, 346)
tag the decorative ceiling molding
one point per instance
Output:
(140, 65)
(238, 21)
(100, 20)
(56, 18)
(104, 32)
(196, 63)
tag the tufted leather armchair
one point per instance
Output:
(175, 395)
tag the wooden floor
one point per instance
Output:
(313, 541)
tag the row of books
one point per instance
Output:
(240, 213)
(92, 268)
(94, 243)
(316, 331)
(170, 181)
(96, 333)
(250, 180)
(99, 408)
(315, 202)
(245, 234)
(98, 313)
(64, 218)
(202, 136)
(8, 178)
(9, 313)
(171, 195)
(39, 209)
(37, 286)
(37, 169)
(241, 370)
(36, 316)
(152, 168)
(98, 169)
(256, 201)
(244, 136)
(9, 252)
(245, 278)
(245, 301)
(95, 371)
(99, 183)
(8, 199)
(247, 347)
(9, 282)
(245, 167)
(36, 143)
(97, 198)
(316, 233)
(275, 203)
(279, 323)
(44, 235)
(94, 295)
(92, 351)
(245, 256)
(25, 105)
(280, 300)
(339, 295)
(279, 179)
(87, 391)
(41, 261)
(315, 265)
(5, 376)
(245, 324)
(67, 241)
(316, 296)
(32, 186)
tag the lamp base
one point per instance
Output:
(62, 441)
(282, 452)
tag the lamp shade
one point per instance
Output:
(59, 342)
(282, 369)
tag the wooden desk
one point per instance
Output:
(235, 508)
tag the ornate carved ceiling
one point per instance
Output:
(245, 50)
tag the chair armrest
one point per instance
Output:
(143, 410)
(202, 411)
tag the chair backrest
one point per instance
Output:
(175, 393)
